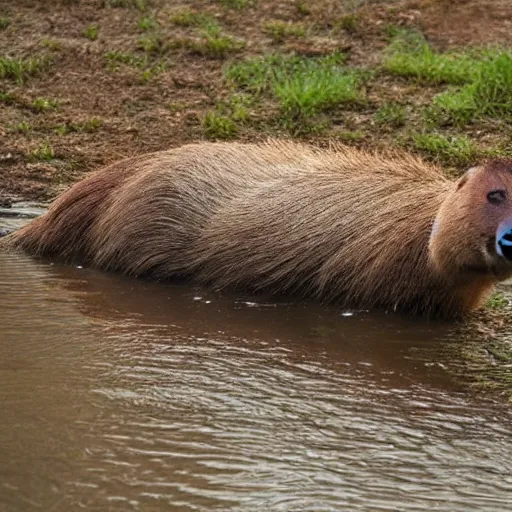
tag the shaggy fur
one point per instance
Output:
(339, 225)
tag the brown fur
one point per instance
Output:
(342, 225)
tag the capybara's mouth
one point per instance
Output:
(504, 246)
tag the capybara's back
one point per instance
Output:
(353, 227)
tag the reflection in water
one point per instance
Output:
(118, 394)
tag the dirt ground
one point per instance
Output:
(131, 116)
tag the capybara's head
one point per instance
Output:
(472, 232)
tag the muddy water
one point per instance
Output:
(117, 394)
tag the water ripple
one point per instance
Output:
(123, 395)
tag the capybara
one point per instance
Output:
(361, 229)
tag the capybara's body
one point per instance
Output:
(357, 228)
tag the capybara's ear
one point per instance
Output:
(465, 177)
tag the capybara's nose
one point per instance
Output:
(504, 240)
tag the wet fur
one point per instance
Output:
(337, 225)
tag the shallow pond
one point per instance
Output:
(118, 394)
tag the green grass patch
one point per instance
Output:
(4, 23)
(489, 93)
(141, 5)
(235, 107)
(53, 45)
(303, 8)
(189, 18)
(297, 92)
(409, 55)
(210, 40)
(218, 126)
(88, 126)
(150, 72)
(350, 23)
(22, 127)
(349, 135)
(177, 106)
(317, 90)
(497, 301)
(281, 30)
(481, 80)
(223, 122)
(7, 98)
(18, 70)
(453, 150)
(145, 24)
(91, 32)
(115, 58)
(217, 47)
(303, 86)
(146, 63)
(42, 153)
(44, 104)
(259, 75)
(153, 44)
(391, 114)
(91, 125)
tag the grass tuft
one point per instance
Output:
(91, 32)
(409, 55)
(259, 75)
(7, 98)
(350, 23)
(481, 79)
(497, 301)
(88, 126)
(303, 8)
(44, 104)
(212, 42)
(189, 18)
(218, 126)
(145, 24)
(280, 30)
(350, 135)
(115, 58)
(141, 5)
(42, 153)
(303, 86)
(217, 47)
(153, 44)
(453, 150)
(4, 23)
(19, 70)
(315, 90)
(54, 45)
(488, 94)
(22, 127)
(146, 63)
(391, 114)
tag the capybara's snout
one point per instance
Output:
(504, 240)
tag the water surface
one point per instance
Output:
(118, 394)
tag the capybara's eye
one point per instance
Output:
(497, 196)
